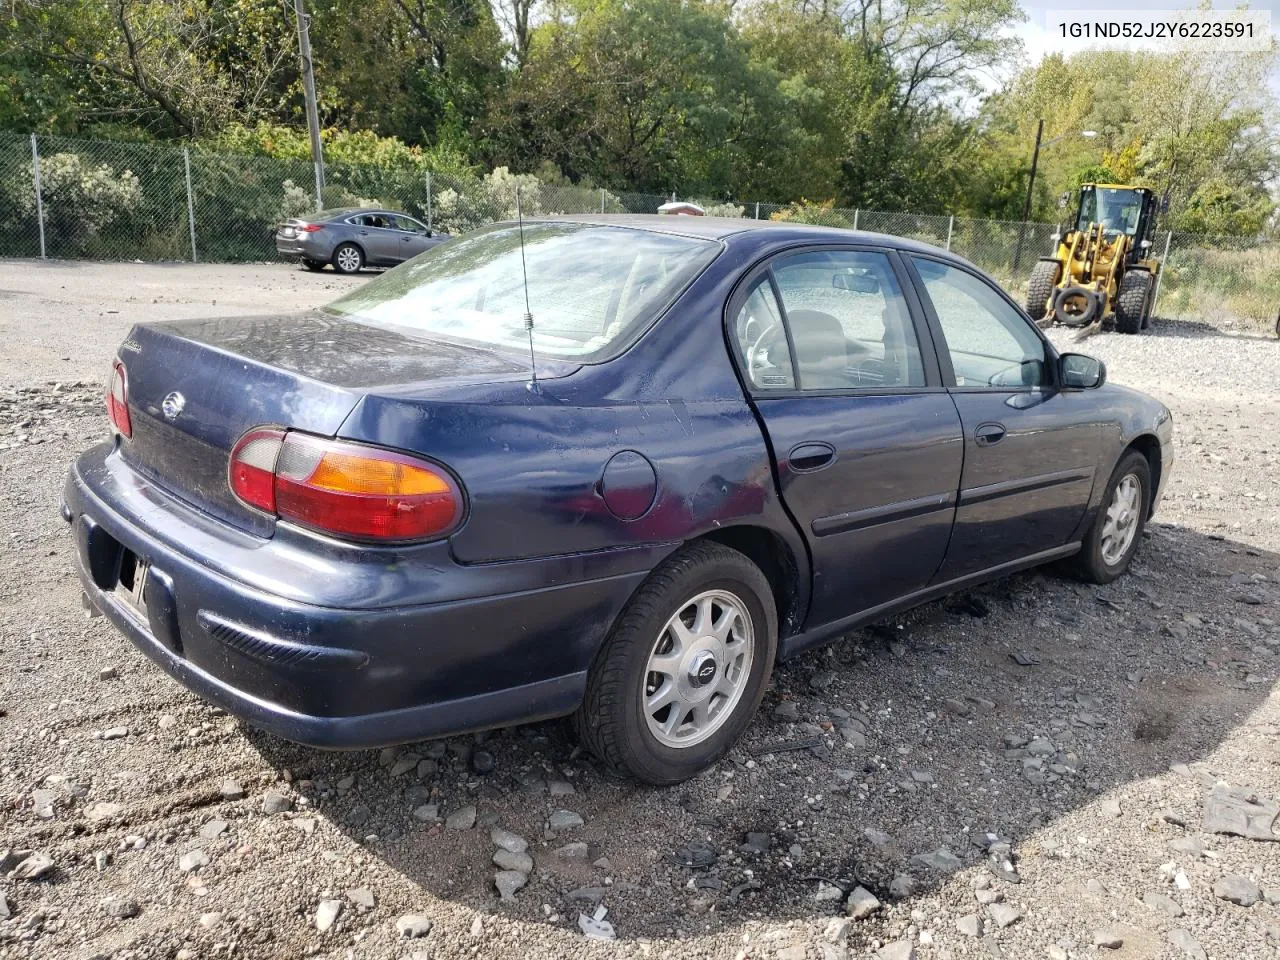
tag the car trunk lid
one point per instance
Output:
(195, 387)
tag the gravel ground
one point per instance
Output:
(1063, 736)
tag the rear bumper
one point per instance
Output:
(335, 676)
(309, 248)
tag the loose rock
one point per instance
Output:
(327, 913)
(1184, 941)
(508, 882)
(213, 829)
(1107, 939)
(464, 818)
(861, 903)
(508, 840)
(1237, 889)
(516, 862)
(1166, 905)
(1004, 915)
(103, 811)
(573, 851)
(121, 909)
(37, 866)
(564, 820)
(413, 925)
(970, 925)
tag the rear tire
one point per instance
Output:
(1113, 537)
(1132, 300)
(711, 590)
(315, 266)
(1044, 277)
(348, 258)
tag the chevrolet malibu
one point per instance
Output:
(613, 468)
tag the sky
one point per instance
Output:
(1039, 38)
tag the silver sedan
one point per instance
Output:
(352, 238)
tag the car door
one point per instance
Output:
(1030, 449)
(380, 240)
(414, 237)
(866, 439)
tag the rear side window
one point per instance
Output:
(850, 325)
(991, 344)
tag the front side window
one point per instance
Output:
(409, 225)
(990, 343)
(590, 287)
(849, 321)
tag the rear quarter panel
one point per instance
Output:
(532, 459)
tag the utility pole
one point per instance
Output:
(309, 89)
(1026, 207)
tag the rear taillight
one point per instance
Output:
(346, 489)
(118, 400)
(310, 227)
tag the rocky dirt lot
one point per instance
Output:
(1025, 771)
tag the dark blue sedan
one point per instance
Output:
(714, 443)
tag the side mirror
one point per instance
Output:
(1064, 200)
(1145, 244)
(1164, 204)
(1080, 372)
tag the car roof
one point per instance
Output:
(349, 211)
(721, 228)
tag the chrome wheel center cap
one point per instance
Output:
(703, 669)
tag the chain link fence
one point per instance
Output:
(108, 200)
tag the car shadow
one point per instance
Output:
(1200, 329)
(994, 713)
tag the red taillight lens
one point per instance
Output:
(310, 227)
(346, 489)
(252, 473)
(118, 400)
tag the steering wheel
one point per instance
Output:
(754, 352)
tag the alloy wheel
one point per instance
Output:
(698, 669)
(349, 259)
(1121, 523)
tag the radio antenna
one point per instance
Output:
(528, 314)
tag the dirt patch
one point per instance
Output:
(933, 745)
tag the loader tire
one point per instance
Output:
(1131, 301)
(1044, 277)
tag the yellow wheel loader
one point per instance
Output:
(1103, 266)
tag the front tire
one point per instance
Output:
(348, 258)
(684, 667)
(1044, 277)
(1113, 538)
(1131, 301)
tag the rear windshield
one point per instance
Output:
(591, 287)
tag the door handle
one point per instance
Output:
(989, 433)
(364, 233)
(808, 457)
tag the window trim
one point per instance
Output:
(929, 359)
(943, 349)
